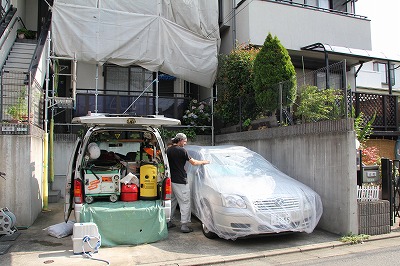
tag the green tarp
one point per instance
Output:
(127, 223)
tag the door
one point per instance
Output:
(69, 184)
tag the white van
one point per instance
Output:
(117, 148)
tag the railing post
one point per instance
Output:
(280, 103)
(387, 184)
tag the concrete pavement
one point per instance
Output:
(35, 247)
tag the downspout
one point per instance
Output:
(327, 68)
(45, 187)
(234, 25)
(389, 78)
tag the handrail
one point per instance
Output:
(40, 44)
(8, 33)
(333, 11)
(3, 18)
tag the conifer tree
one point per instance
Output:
(272, 66)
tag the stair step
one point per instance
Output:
(19, 56)
(25, 44)
(54, 196)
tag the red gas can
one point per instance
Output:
(129, 192)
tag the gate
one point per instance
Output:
(391, 186)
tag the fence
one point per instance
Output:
(20, 103)
(368, 193)
(330, 77)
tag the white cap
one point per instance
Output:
(179, 137)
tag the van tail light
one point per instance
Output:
(78, 195)
(167, 190)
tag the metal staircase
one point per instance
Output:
(14, 80)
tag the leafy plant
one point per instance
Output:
(19, 110)
(370, 156)
(27, 33)
(273, 66)
(363, 128)
(198, 115)
(235, 86)
(354, 239)
(316, 105)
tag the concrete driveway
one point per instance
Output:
(34, 246)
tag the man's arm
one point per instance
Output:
(197, 162)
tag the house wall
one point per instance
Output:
(86, 76)
(321, 155)
(368, 79)
(22, 161)
(299, 26)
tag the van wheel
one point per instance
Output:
(89, 199)
(113, 198)
(207, 215)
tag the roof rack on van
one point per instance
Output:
(107, 119)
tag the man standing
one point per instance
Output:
(177, 158)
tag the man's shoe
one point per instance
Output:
(186, 229)
(170, 225)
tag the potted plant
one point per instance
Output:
(24, 33)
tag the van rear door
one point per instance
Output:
(69, 184)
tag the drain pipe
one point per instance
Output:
(45, 185)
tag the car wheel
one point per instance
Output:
(113, 198)
(207, 214)
(89, 199)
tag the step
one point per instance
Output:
(23, 65)
(28, 46)
(14, 56)
(54, 196)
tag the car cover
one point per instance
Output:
(240, 193)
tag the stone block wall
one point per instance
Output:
(374, 217)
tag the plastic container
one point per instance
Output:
(85, 238)
(129, 192)
(148, 182)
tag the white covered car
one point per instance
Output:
(240, 194)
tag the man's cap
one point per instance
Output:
(179, 137)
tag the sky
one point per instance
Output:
(385, 23)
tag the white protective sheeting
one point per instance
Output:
(180, 38)
(240, 193)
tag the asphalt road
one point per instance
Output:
(380, 252)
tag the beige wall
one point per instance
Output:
(321, 155)
(22, 161)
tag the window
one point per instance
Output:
(318, 3)
(382, 68)
(127, 80)
(335, 80)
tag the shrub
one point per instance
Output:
(315, 105)
(272, 66)
(235, 86)
(197, 115)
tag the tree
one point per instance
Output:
(273, 65)
(235, 86)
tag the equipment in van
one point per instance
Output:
(148, 181)
(90, 176)
(102, 182)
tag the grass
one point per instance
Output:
(354, 239)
